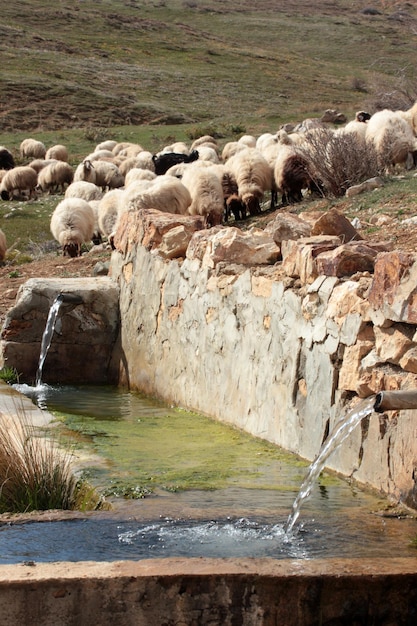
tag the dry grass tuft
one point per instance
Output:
(35, 473)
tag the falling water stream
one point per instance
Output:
(342, 430)
(47, 335)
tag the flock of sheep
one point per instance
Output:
(197, 179)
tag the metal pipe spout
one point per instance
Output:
(395, 400)
(69, 298)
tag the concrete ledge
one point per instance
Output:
(261, 592)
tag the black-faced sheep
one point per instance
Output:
(3, 245)
(85, 190)
(58, 152)
(393, 138)
(253, 175)
(206, 191)
(7, 161)
(20, 182)
(32, 149)
(55, 177)
(72, 224)
(163, 161)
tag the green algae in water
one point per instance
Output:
(150, 447)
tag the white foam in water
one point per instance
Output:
(237, 538)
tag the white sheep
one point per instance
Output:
(265, 140)
(143, 161)
(253, 175)
(108, 211)
(32, 149)
(72, 224)
(108, 175)
(137, 173)
(206, 191)
(207, 153)
(125, 147)
(100, 154)
(204, 140)
(55, 177)
(108, 144)
(85, 171)
(39, 164)
(248, 141)
(58, 152)
(85, 190)
(20, 182)
(164, 193)
(230, 149)
(3, 245)
(393, 138)
(410, 115)
(179, 147)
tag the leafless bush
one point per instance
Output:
(397, 93)
(339, 161)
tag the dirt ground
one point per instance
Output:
(49, 266)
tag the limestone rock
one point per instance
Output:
(367, 185)
(335, 223)
(299, 256)
(148, 227)
(393, 293)
(346, 260)
(252, 247)
(288, 226)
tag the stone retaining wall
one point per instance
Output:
(273, 345)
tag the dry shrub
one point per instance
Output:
(339, 161)
(399, 92)
(35, 473)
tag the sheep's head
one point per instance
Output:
(362, 116)
(72, 249)
(88, 166)
(235, 205)
(5, 195)
(193, 156)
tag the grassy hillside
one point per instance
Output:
(80, 71)
(105, 63)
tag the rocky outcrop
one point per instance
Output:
(280, 337)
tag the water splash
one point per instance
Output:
(341, 432)
(47, 336)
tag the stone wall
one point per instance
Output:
(277, 337)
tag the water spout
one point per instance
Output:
(395, 400)
(60, 299)
(70, 298)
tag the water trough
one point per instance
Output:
(235, 320)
